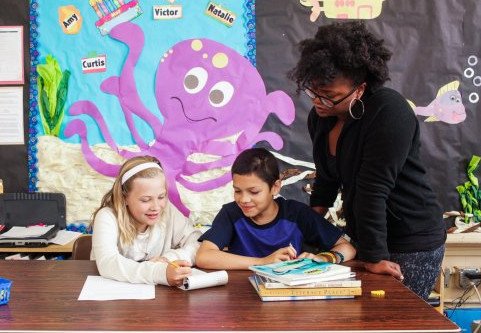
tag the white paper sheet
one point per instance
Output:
(200, 279)
(11, 115)
(23, 232)
(97, 288)
(64, 237)
(11, 55)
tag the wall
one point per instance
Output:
(13, 158)
(434, 43)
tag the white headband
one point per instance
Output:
(137, 169)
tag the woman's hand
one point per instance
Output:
(283, 254)
(385, 267)
(177, 271)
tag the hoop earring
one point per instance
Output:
(350, 108)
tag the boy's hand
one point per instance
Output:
(283, 254)
(177, 271)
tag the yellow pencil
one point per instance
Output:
(173, 264)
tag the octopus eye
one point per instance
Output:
(220, 94)
(195, 80)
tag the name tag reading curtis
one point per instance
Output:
(94, 64)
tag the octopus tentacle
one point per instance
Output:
(250, 138)
(274, 139)
(124, 86)
(206, 185)
(174, 196)
(221, 148)
(191, 168)
(78, 127)
(90, 109)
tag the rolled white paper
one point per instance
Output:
(200, 279)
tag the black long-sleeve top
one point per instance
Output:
(387, 201)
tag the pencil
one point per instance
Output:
(173, 264)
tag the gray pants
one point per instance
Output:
(420, 269)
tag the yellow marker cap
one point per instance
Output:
(378, 293)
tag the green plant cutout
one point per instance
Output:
(52, 90)
(470, 193)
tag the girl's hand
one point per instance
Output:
(177, 271)
(385, 267)
(283, 254)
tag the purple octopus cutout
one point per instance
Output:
(206, 92)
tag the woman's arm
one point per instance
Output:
(210, 256)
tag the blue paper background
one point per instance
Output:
(160, 35)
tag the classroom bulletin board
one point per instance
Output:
(195, 82)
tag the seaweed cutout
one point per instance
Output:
(470, 193)
(53, 90)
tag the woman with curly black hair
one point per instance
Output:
(366, 144)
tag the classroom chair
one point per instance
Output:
(81, 248)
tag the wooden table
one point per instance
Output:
(44, 297)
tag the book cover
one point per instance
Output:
(339, 280)
(293, 298)
(299, 271)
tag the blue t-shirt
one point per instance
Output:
(295, 223)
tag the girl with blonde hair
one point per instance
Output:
(138, 235)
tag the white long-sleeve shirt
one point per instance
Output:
(172, 237)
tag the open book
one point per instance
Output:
(300, 271)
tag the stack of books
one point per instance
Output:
(304, 279)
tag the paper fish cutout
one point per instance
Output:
(344, 9)
(446, 107)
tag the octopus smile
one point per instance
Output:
(187, 117)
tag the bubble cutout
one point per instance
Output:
(474, 98)
(477, 81)
(469, 72)
(472, 60)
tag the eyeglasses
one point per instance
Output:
(325, 100)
